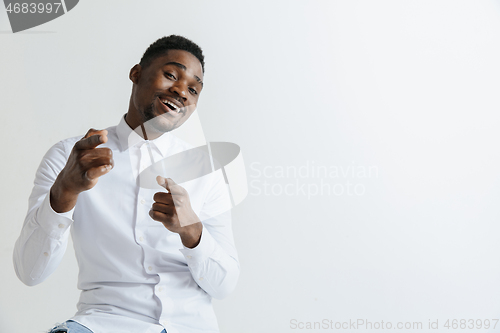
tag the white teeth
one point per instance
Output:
(175, 106)
(164, 101)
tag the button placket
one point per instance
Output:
(145, 159)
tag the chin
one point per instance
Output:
(160, 124)
(163, 122)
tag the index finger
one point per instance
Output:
(92, 139)
(90, 142)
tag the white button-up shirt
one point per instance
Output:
(135, 275)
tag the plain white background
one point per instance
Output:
(409, 88)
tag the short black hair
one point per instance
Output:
(172, 42)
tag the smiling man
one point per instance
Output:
(150, 260)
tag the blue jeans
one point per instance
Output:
(73, 327)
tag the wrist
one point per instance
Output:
(191, 235)
(62, 199)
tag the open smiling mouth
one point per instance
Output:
(171, 106)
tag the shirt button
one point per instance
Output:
(143, 201)
(201, 278)
(189, 257)
(165, 323)
(150, 268)
(141, 238)
(61, 225)
(46, 254)
(160, 289)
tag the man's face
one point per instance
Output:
(166, 92)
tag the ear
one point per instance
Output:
(135, 73)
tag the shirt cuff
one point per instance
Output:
(54, 224)
(202, 251)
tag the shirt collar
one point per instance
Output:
(129, 138)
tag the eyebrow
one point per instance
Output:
(181, 66)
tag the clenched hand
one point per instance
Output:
(174, 210)
(85, 165)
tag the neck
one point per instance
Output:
(146, 132)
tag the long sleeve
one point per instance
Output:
(134, 274)
(213, 263)
(44, 236)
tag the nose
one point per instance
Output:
(180, 89)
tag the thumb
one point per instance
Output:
(161, 181)
(165, 182)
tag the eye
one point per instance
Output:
(169, 75)
(193, 91)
